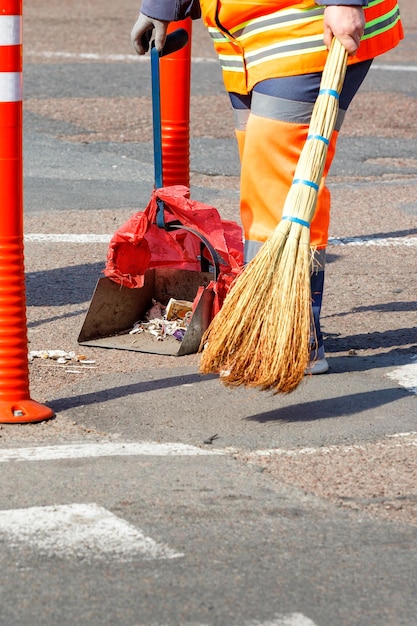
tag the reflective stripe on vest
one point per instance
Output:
(289, 41)
(381, 24)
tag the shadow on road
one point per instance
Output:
(105, 395)
(397, 338)
(341, 406)
(62, 285)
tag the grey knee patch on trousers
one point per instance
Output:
(251, 249)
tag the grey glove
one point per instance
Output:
(142, 33)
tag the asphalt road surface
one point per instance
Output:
(156, 496)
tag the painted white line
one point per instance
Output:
(394, 68)
(365, 241)
(406, 376)
(293, 619)
(397, 435)
(67, 238)
(335, 241)
(95, 450)
(408, 439)
(93, 56)
(88, 56)
(79, 531)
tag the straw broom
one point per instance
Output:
(261, 335)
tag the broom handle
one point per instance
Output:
(324, 117)
(312, 160)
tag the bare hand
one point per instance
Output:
(142, 32)
(346, 23)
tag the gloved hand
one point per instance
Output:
(142, 32)
(347, 23)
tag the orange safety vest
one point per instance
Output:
(275, 38)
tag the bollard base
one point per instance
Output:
(23, 412)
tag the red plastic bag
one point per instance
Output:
(139, 244)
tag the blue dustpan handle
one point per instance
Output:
(156, 116)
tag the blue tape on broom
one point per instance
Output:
(297, 220)
(329, 92)
(320, 138)
(302, 181)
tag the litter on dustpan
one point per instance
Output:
(163, 322)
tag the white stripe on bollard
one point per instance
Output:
(10, 86)
(10, 30)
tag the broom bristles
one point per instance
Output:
(261, 335)
(254, 324)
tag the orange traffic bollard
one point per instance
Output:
(16, 405)
(175, 79)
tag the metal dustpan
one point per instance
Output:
(123, 297)
(115, 309)
(190, 274)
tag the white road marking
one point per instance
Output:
(398, 435)
(92, 450)
(394, 68)
(86, 56)
(404, 439)
(406, 376)
(79, 531)
(335, 241)
(67, 238)
(95, 56)
(369, 241)
(293, 619)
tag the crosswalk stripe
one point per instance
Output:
(79, 531)
(406, 375)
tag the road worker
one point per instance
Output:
(272, 54)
